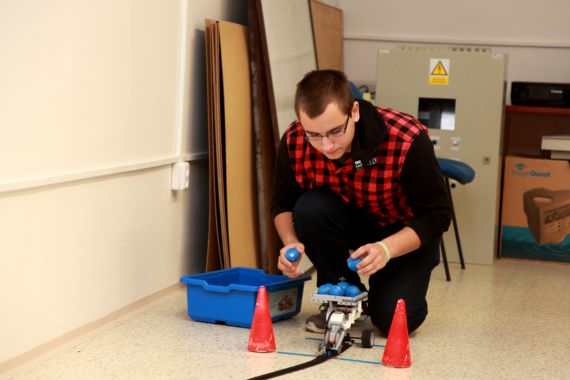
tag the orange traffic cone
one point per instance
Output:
(397, 351)
(261, 338)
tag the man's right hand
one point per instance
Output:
(287, 267)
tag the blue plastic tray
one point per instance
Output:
(228, 296)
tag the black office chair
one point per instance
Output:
(464, 174)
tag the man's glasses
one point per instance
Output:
(331, 135)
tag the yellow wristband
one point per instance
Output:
(383, 245)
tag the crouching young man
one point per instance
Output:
(352, 177)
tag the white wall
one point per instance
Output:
(535, 36)
(94, 226)
(508, 22)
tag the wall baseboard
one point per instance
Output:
(90, 327)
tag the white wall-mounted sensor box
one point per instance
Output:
(180, 176)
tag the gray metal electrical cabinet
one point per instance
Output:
(458, 93)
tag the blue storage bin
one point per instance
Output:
(228, 296)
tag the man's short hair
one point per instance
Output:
(319, 88)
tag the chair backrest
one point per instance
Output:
(457, 170)
(355, 91)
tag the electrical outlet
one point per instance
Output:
(180, 176)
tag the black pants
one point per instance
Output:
(329, 227)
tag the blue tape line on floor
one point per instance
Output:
(319, 339)
(359, 361)
(295, 354)
(345, 359)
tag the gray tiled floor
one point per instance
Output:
(506, 321)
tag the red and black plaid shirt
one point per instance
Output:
(373, 176)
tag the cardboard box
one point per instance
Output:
(535, 217)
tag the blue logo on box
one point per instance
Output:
(520, 170)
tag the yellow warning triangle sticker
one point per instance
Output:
(439, 69)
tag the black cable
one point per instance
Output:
(328, 354)
(318, 360)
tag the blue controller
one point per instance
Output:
(324, 289)
(336, 290)
(352, 263)
(292, 254)
(352, 291)
(341, 289)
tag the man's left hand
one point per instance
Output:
(373, 257)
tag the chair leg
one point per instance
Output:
(444, 256)
(455, 228)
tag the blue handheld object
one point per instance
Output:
(352, 263)
(324, 289)
(336, 290)
(352, 291)
(292, 254)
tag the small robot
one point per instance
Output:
(342, 312)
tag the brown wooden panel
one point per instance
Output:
(239, 160)
(214, 256)
(328, 35)
(265, 135)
